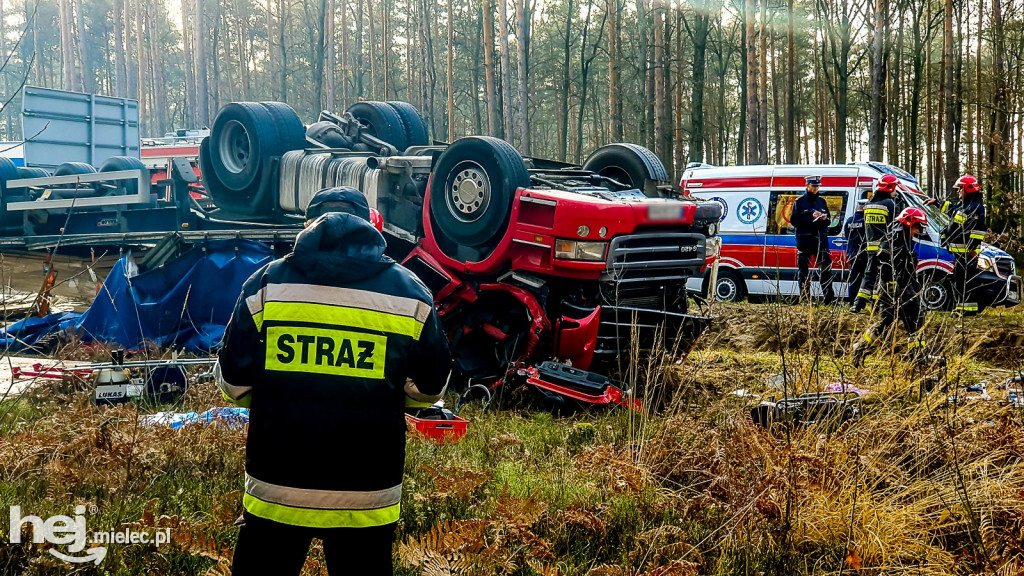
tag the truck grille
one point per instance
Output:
(655, 256)
(1005, 266)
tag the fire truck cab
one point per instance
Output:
(758, 254)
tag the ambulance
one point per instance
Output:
(758, 256)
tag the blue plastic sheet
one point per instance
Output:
(187, 302)
(230, 417)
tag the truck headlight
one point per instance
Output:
(986, 262)
(573, 250)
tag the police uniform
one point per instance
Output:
(856, 255)
(899, 296)
(962, 237)
(878, 219)
(321, 346)
(812, 241)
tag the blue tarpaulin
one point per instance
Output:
(186, 302)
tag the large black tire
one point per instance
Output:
(31, 172)
(627, 163)
(290, 130)
(471, 192)
(415, 126)
(244, 135)
(10, 222)
(73, 168)
(382, 122)
(118, 163)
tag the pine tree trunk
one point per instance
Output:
(120, 70)
(952, 165)
(159, 78)
(358, 71)
(140, 57)
(563, 105)
(202, 75)
(87, 75)
(506, 70)
(332, 63)
(614, 84)
(876, 121)
(320, 57)
(523, 43)
(790, 122)
(67, 49)
(752, 119)
(451, 73)
(762, 104)
(660, 94)
(385, 49)
(494, 123)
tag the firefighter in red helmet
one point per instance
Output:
(900, 297)
(878, 218)
(962, 237)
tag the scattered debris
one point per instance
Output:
(231, 417)
(811, 408)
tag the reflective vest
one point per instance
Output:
(321, 346)
(878, 216)
(968, 224)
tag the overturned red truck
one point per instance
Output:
(542, 271)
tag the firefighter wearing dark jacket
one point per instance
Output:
(856, 255)
(812, 219)
(962, 237)
(900, 294)
(878, 219)
(321, 347)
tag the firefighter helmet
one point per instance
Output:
(887, 183)
(968, 183)
(912, 215)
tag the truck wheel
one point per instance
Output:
(73, 168)
(381, 121)
(241, 135)
(290, 130)
(936, 293)
(412, 121)
(471, 192)
(118, 163)
(729, 287)
(627, 163)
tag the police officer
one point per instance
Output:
(962, 237)
(811, 219)
(878, 218)
(321, 346)
(900, 294)
(856, 255)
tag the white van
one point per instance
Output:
(759, 257)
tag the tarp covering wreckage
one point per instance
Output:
(185, 303)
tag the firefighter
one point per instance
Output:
(900, 290)
(321, 347)
(962, 237)
(878, 218)
(811, 218)
(856, 255)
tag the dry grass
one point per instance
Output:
(912, 487)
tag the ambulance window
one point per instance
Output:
(780, 211)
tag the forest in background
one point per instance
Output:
(933, 86)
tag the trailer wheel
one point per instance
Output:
(10, 222)
(31, 172)
(290, 130)
(412, 121)
(627, 163)
(381, 121)
(471, 192)
(73, 168)
(241, 137)
(118, 163)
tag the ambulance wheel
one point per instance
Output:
(415, 127)
(471, 192)
(242, 137)
(729, 287)
(628, 164)
(118, 163)
(382, 122)
(936, 292)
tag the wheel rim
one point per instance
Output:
(235, 147)
(619, 175)
(468, 192)
(726, 289)
(935, 296)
